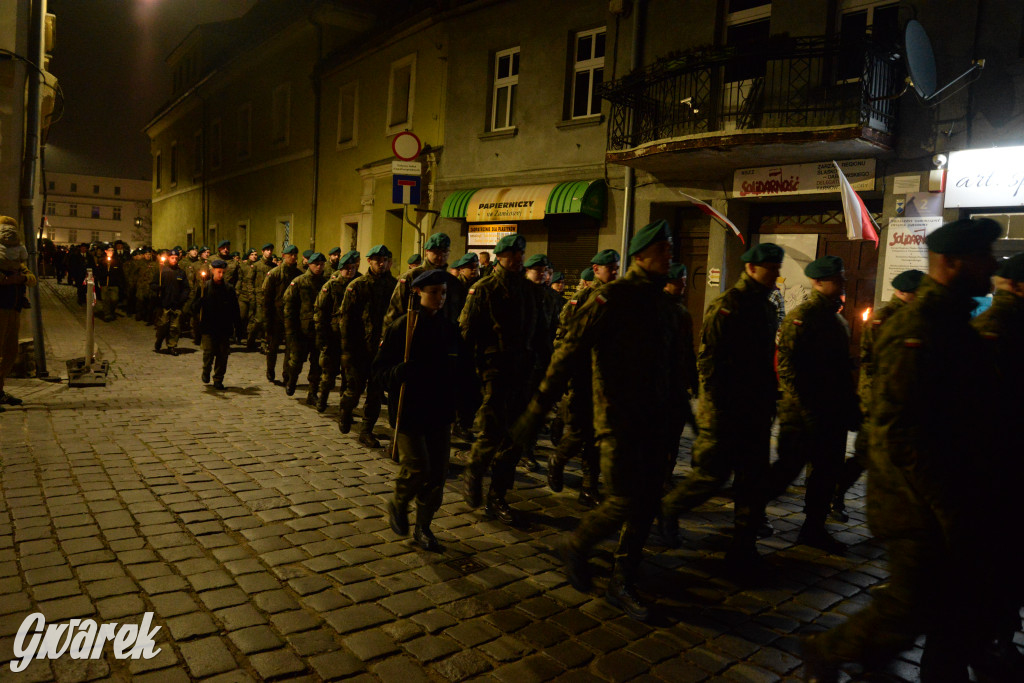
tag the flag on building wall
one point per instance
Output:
(717, 215)
(859, 223)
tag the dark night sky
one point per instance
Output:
(109, 60)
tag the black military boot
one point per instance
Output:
(498, 508)
(817, 537)
(345, 421)
(206, 377)
(622, 594)
(369, 440)
(156, 346)
(530, 463)
(577, 568)
(290, 384)
(311, 397)
(398, 519)
(321, 403)
(270, 375)
(589, 497)
(472, 488)
(838, 511)
(423, 536)
(555, 474)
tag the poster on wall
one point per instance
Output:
(905, 247)
(800, 250)
(795, 179)
(486, 235)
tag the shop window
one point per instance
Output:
(280, 115)
(401, 91)
(506, 83)
(588, 72)
(244, 129)
(348, 114)
(215, 144)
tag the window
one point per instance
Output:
(117, 213)
(51, 208)
(74, 187)
(506, 81)
(156, 171)
(174, 164)
(877, 20)
(747, 22)
(244, 130)
(53, 185)
(401, 90)
(588, 72)
(280, 113)
(348, 114)
(95, 212)
(95, 189)
(51, 235)
(197, 157)
(72, 236)
(215, 144)
(117, 190)
(72, 209)
(95, 236)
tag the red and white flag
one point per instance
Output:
(717, 215)
(859, 223)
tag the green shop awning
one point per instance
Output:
(527, 202)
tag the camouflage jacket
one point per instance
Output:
(503, 325)
(259, 274)
(189, 265)
(736, 353)
(299, 298)
(631, 330)
(274, 286)
(929, 458)
(328, 305)
(244, 286)
(146, 273)
(815, 371)
(867, 350)
(453, 302)
(361, 316)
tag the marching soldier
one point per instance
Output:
(469, 270)
(246, 294)
(437, 249)
(110, 277)
(214, 307)
(360, 321)
(503, 328)
(819, 399)
(905, 284)
(274, 286)
(630, 332)
(326, 320)
(299, 327)
(557, 283)
(930, 480)
(536, 268)
(736, 358)
(676, 289)
(333, 258)
(414, 261)
(144, 296)
(258, 322)
(469, 274)
(170, 284)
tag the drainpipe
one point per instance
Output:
(28, 178)
(630, 180)
(317, 103)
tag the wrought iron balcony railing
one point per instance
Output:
(784, 83)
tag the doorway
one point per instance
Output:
(241, 242)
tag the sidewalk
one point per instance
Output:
(255, 533)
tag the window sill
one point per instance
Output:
(498, 134)
(583, 121)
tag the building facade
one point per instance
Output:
(83, 208)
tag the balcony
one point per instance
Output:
(705, 112)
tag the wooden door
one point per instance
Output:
(690, 244)
(860, 259)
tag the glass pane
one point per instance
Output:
(503, 64)
(584, 48)
(599, 45)
(885, 25)
(580, 94)
(752, 66)
(346, 118)
(515, 63)
(500, 108)
(400, 96)
(512, 105)
(595, 99)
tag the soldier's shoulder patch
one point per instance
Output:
(402, 281)
(324, 288)
(990, 335)
(912, 343)
(724, 311)
(292, 283)
(876, 322)
(798, 322)
(471, 289)
(573, 301)
(600, 299)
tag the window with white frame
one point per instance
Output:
(72, 235)
(117, 213)
(51, 208)
(506, 83)
(746, 22)
(401, 94)
(348, 114)
(280, 115)
(588, 72)
(877, 20)
(244, 130)
(95, 236)
(174, 164)
(197, 155)
(215, 143)
(72, 209)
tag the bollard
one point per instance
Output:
(90, 304)
(86, 372)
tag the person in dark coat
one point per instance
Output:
(79, 264)
(172, 290)
(214, 307)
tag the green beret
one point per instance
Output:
(1012, 268)
(658, 231)
(587, 275)
(252, 250)
(514, 242)
(266, 246)
(349, 257)
(677, 271)
(414, 259)
(223, 243)
(234, 254)
(763, 253)
(908, 280)
(537, 261)
(438, 242)
(334, 250)
(290, 250)
(378, 250)
(203, 248)
(467, 261)
(557, 276)
(607, 257)
(192, 248)
(317, 257)
(824, 267)
(965, 236)
(306, 254)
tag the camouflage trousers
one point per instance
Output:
(578, 435)
(275, 335)
(331, 366)
(820, 449)
(257, 326)
(168, 326)
(215, 354)
(358, 378)
(503, 401)
(424, 467)
(245, 307)
(302, 348)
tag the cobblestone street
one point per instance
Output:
(256, 534)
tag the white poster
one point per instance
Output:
(986, 177)
(905, 248)
(800, 250)
(792, 179)
(487, 235)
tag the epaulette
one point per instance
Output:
(912, 343)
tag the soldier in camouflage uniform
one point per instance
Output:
(536, 268)
(232, 273)
(577, 407)
(325, 318)
(333, 261)
(469, 274)
(931, 477)
(131, 274)
(905, 285)
(274, 286)
(414, 261)
(736, 404)
(676, 288)
(503, 327)
(144, 295)
(360, 321)
(299, 300)
(629, 331)
(258, 320)
(246, 294)
(437, 249)
(819, 399)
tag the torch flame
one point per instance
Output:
(866, 315)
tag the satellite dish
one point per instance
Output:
(920, 61)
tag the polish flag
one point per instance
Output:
(717, 215)
(859, 223)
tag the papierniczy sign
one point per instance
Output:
(985, 177)
(792, 179)
(81, 639)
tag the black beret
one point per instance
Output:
(763, 253)
(437, 276)
(218, 263)
(908, 280)
(174, 252)
(965, 236)
(1012, 268)
(824, 267)
(658, 231)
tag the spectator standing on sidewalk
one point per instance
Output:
(214, 307)
(171, 287)
(15, 276)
